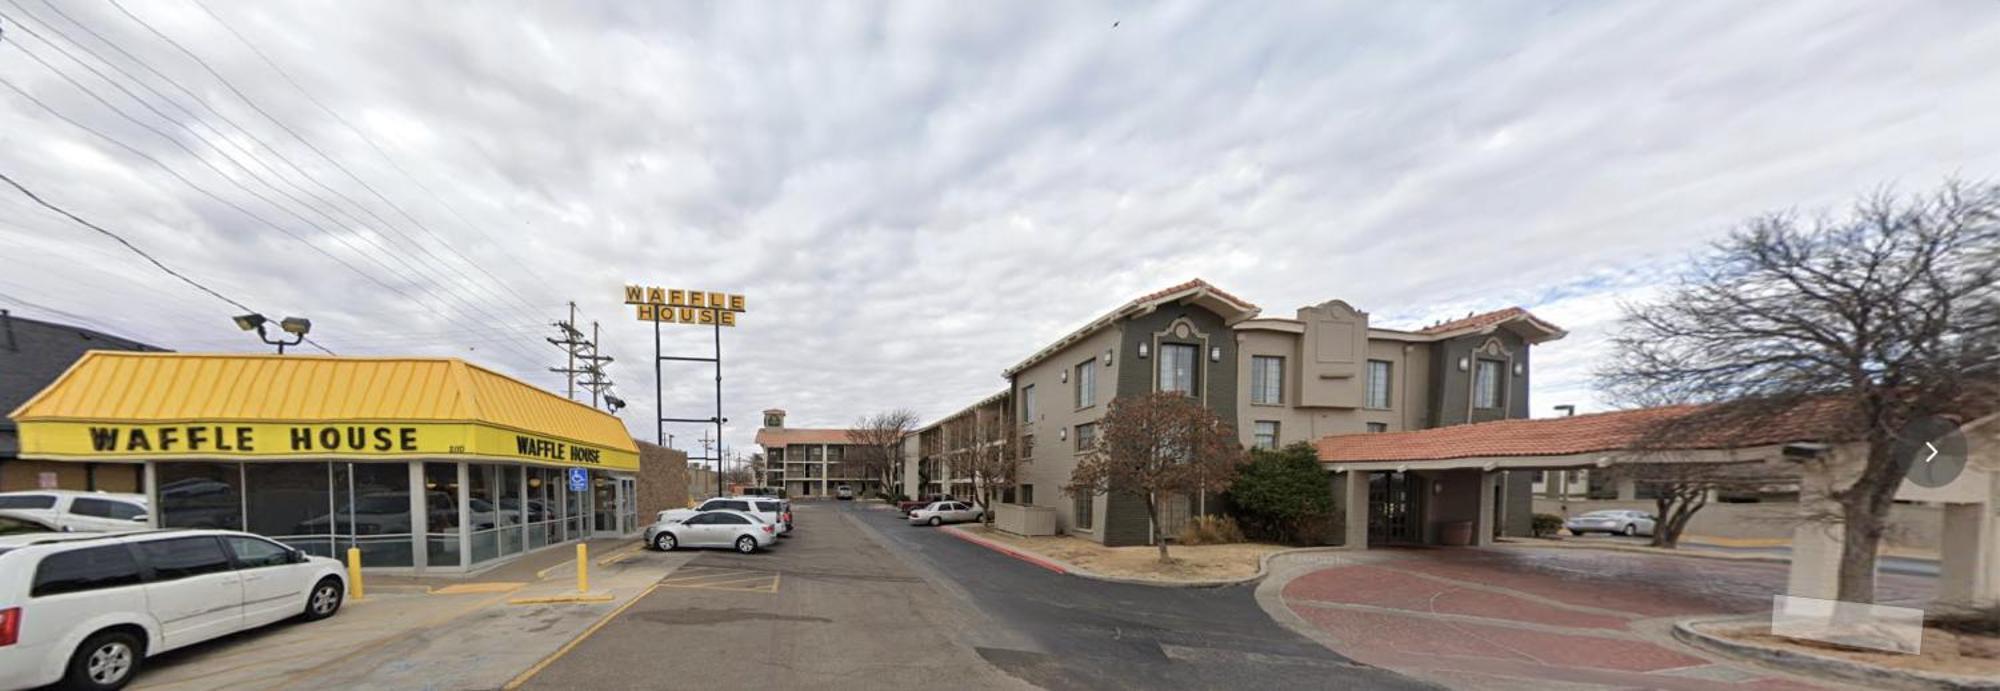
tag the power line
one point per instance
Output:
(515, 347)
(363, 136)
(231, 86)
(436, 288)
(135, 250)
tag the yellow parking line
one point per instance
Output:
(715, 584)
(530, 673)
(725, 575)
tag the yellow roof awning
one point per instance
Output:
(115, 405)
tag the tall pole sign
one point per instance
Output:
(692, 307)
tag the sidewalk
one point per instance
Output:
(425, 632)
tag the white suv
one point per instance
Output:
(82, 512)
(86, 610)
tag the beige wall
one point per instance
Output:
(1409, 374)
(1056, 417)
(662, 480)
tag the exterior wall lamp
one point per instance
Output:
(1464, 363)
(1215, 353)
(1107, 357)
(1520, 369)
(1144, 350)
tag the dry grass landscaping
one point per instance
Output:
(1191, 563)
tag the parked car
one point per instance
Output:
(907, 506)
(1618, 521)
(738, 530)
(774, 511)
(22, 523)
(87, 610)
(843, 492)
(80, 512)
(942, 512)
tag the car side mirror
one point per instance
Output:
(298, 556)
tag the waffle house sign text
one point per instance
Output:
(682, 306)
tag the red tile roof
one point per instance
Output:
(774, 437)
(1670, 427)
(1476, 321)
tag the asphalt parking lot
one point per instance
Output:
(828, 607)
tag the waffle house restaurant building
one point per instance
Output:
(425, 464)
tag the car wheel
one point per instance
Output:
(665, 542)
(746, 544)
(936, 521)
(325, 599)
(1630, 530)
(107, 660)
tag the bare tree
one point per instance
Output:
(878, 444)
(1891, 312)
(992, 459)
(1156, 446)
(1683, 488)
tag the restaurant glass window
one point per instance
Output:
(378, 518)
(200, 495)
(541, 511)
(604, 503)
(483, 511)
(293, 503)
(511, 508)
(441, 513)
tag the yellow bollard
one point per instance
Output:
(582, 568)
(354, 573)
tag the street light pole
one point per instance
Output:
(298, 327)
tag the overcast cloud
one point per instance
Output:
(917, 195)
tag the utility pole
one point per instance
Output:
(576, 349)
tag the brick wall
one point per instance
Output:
(663, 480)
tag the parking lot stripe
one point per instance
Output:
(719, 585)
(530, 673)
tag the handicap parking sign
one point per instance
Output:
(579, 479)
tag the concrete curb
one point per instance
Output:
(1686, 631)
(1684, 551)
(1062, 567)
(1055, 565)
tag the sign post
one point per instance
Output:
(680, 306)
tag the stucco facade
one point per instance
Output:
(1324, 371)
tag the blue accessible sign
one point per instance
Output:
(579, 480)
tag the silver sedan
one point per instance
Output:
(942, 512)
(741, 531)
(1612, 521)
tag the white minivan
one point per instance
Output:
(87, 610)
(81, 512)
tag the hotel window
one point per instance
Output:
(1487, 381)
(1378, 427)
(1267, 434)
(1086, 384)
(1028, 494)
(1267, 379)
(1028, 403)
(1177, 363)
(1086, 510)
(1378, 383)
(1086, 436)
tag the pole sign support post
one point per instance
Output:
(692, 307)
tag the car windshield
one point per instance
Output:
(10, 525)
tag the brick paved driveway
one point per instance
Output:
(1516, 617)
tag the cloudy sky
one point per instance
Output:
(916, 195)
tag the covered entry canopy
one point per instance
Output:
(158, 406)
